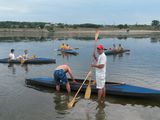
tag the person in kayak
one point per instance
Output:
(11, 55)
(63, 46)
(61, 77)
(120, 48)
(100, 66)
(114, 47)
(25, 55)
(68, 47)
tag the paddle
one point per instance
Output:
(71, 103)
(88, 90)
(22, 61)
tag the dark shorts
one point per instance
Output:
(60, 77)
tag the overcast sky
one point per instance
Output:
(81, 11)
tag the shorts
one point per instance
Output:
(60, 77)
(100, 82)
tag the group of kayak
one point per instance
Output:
(120, 89)
(65, 48)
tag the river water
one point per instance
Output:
(140, 67)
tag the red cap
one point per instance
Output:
(100, 47)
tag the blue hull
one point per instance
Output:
(112, 88)
(69, 51)
(30, 61)
(113, 52)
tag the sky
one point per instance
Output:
(106, 12)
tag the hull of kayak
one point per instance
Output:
(113, 52)
(69, 51)
(112, 88)
(30, 61)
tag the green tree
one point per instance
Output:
(155, 24)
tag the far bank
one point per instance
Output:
(69, 33)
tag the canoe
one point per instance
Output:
(114, 52)
(74, 52)
(30, 61)
(112, 88)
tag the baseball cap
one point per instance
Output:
(100, 47)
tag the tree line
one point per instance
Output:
(155, 25)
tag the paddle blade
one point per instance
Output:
(71, 103)
(96, 35)
(88, 91)
(22, 61)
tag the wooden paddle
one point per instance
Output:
(88, 90)
(22, 61)
(71, 103)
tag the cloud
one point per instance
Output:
(11, 10)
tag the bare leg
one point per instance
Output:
(68, 87)
(100, 94)
(104, 93)
(57, 87)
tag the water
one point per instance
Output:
(139, 67)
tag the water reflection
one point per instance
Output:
(155, 40)
(19, 39)
(61, 100)
(132, 101)
(101, 115)
(12, 67)
(25, 67)
(66, 55)
(119, 56)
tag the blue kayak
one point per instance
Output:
(112, 88)
(74, 52)
(30, 61)
(114, 52)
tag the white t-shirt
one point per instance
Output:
(102, 59)
(11, 56)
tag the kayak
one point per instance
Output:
(112, 88)
(74, 52)
(114, 52)
(30, 61)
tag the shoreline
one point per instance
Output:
(5, 32)
(109, 33)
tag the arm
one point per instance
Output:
(94, 57)
(97, 65)
(71, 74)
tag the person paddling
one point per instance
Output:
(61, 77)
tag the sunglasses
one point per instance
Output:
(99, 49)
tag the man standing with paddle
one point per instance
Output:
(100, 66)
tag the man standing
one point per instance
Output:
(61, 77)
(100, 66)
